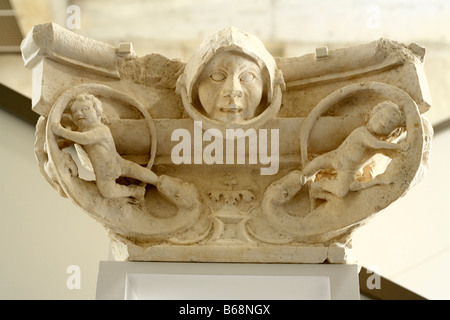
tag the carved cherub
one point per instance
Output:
(361, 145)
(97, 141)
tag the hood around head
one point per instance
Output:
(229, 39)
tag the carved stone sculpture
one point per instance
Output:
(234, 156)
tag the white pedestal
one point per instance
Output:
(226, 281)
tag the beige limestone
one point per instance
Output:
(234, 156)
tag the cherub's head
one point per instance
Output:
(86, 110)
(385, 118)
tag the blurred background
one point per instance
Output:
(43, 235)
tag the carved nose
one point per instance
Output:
(232, 89)
(236, 93)
(233, 93)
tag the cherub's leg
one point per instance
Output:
(380, 179)
(314, 193)
(133, 170)
(341, 186)
(110, 189)
(317, 191)
(321, 162)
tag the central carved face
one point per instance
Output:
(230, 88)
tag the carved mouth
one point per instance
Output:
(232, 108)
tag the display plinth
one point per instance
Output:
(226, 281)
(233, 253)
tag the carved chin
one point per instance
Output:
(225, 116)
(231, 114)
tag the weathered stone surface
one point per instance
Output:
(234, 156)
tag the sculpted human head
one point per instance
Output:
(86, 110)
(230, 88)
(231, 80)
(384, 118)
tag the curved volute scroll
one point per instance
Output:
(129, 208)
(342, 189)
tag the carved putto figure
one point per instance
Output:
(98, 143)
(347, 139)
(359, 147)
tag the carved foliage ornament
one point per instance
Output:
(235, 156)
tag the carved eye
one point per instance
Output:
(285, 193)
(218, 76)
(247, 77)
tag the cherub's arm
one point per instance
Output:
(89, 137)
(373, 142)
